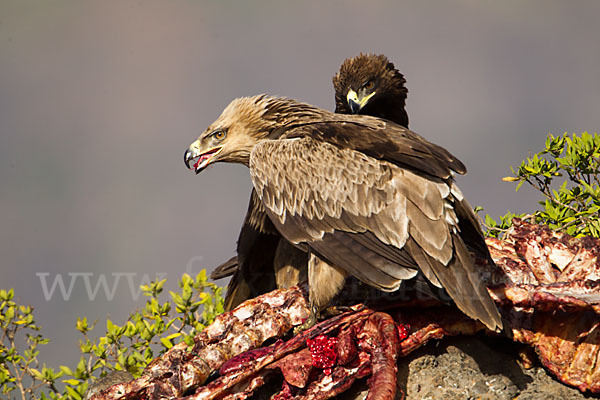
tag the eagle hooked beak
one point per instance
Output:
(357, 101)
(200, 157)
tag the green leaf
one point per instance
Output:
(66, 370)
(202, 276)
(9, 313)
(36, 374)
(73, 393)
(173, 335)
(519, 186)
(82, 325)
(110, 327)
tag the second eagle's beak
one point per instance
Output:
(200, 157)
(357, 101)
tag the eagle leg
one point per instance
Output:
(325, 281)
(290, 265)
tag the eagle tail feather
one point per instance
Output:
(226, 269)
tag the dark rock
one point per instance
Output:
(476, 368)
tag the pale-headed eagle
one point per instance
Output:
(367, 84)
(360, 195)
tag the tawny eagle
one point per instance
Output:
(368, 84)
(361, 195)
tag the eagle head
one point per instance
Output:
(370, 84)
(232, 136)
(244, 122)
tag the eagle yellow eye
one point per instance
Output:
(219, 135)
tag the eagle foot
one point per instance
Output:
(333, 311)
(309, 322)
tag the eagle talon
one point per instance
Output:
(308, 323)
(333, 311)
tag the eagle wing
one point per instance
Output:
(376, 220)
(380, 139)
(351, 208)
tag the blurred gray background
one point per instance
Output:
(99, 100)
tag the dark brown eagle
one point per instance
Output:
(360, 195)
(367, 84)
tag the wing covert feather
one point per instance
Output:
(330, 191)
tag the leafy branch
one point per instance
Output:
(129, 347)
(567, 174)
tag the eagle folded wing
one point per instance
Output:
(377, 221)
(354, 210)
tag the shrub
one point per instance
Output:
(567, 174)
(146, 334)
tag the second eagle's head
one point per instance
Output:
(369, 84)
